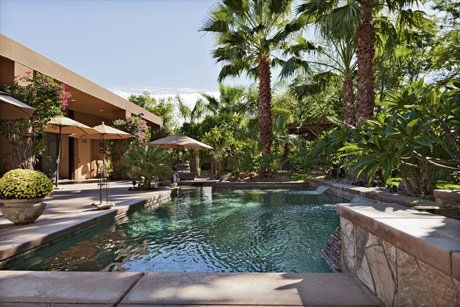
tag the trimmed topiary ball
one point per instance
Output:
(25, 184)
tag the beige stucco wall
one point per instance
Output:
(90, 103)
(64, 165)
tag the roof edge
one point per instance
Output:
(24, 55)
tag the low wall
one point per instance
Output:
(404, 256)
(375, 194)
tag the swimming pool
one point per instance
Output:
(203, 230)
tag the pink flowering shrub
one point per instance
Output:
(25, 134)
(64, 95)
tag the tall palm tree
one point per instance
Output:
(249, 33)
(335, 58)
(357, 16)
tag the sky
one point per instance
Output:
(126, 46)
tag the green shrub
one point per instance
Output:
(415, 137)
(25, 184)
(146, 164)
(323, 154)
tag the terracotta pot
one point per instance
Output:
(22, 211)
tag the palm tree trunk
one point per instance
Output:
(348, 99)
(365, 52)
(265, 107)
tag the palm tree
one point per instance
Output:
(188, 114)
(335, 58)
(231, 99)
(357, 16)
(249, 34)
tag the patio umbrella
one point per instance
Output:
(104, 132)
(11, 108)
(64, 125)
(181, 142)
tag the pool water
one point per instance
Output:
(203, 230)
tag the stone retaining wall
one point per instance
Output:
(405, 257)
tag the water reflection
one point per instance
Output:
(206, 230)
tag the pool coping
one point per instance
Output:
(374, 194)
(120, 209)
(176, 288)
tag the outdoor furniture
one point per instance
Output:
(64, 125)
(11, 108)
(184, 173)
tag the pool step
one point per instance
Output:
(129, 289)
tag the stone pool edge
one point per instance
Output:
(120, 209)
(37, 288)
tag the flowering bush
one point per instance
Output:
(25, 184)
(49, 99)
(64, 95)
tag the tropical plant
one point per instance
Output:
(332, 58)
(163, 107)
(191, 115)
(340, 18)
(250, 33)
(322, 154)
(220, 140)
(25, 135)
(146, 164)
(416, 136)
(25, 184)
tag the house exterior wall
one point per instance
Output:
(91, 105)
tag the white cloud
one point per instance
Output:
(188, 95)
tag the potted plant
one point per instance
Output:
(21, 195)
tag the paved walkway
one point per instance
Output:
(69, 209)
(184, 289)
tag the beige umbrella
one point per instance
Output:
(64, 125)
(104, 133)
(11, 108)
(182, 142)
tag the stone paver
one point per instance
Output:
(105, 288)
(132, 289)
(262, 289)
(69, 209)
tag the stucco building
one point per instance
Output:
(90, 104)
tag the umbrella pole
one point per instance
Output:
(197, 163)
(106, 180)
(58, 157)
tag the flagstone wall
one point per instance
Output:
(395, 276)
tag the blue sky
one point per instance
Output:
(119, 44)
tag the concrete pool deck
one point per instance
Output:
(69, 209)
(26, 288)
